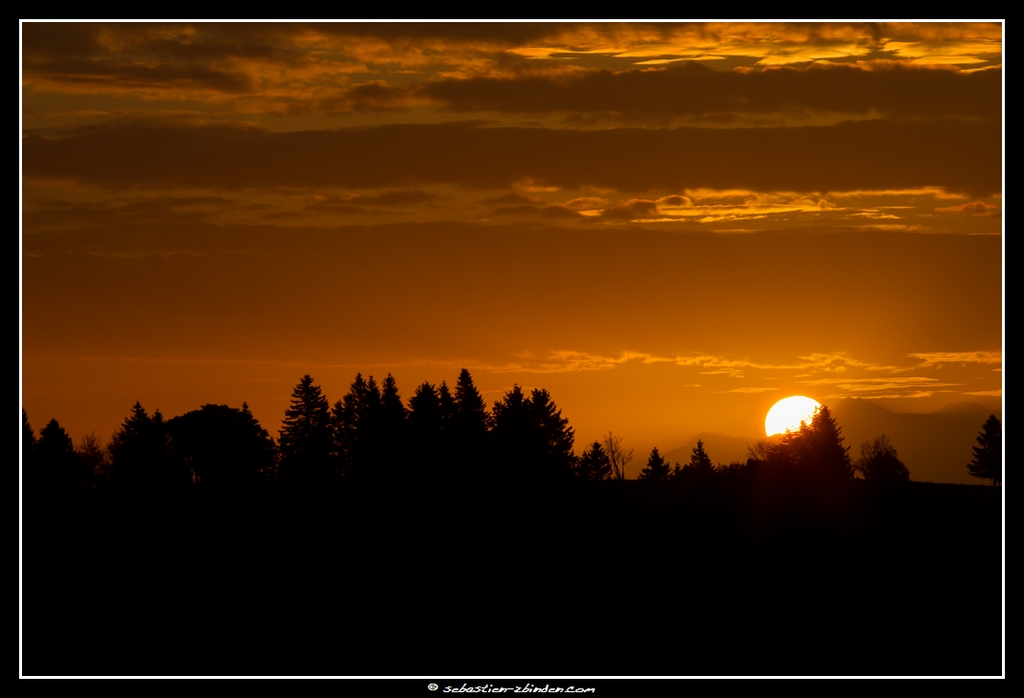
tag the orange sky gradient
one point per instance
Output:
(668, 226)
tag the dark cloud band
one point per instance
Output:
(956, 154)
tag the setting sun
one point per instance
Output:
(786, 414)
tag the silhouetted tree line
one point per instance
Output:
(368, 435)
(441, 436)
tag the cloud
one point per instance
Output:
(696, 90)
(950, 153)
(893, 386)
(525, 67)
(933, 359)
(554, 211)
(511, 199)
(631, 210)
(974, 208)
(574, 360)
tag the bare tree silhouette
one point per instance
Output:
(618, 456)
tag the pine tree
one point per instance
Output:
(468, 433)
(470, 411)
(987, 463)
(358, 431)
(425, 433)
(305, 437)
(700, 465)
(594, 464)
(392, 450)
(139, 452)
(517, 445)
(556, 434)
(424, 412)
(656, 468)
(817, 450)
(55, 461)
(448, 408)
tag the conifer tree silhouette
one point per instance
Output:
(360, 430)
(817, 450)
(425, 424)
(392, 447)
(516, 443)
(988, 454)
(448, 410)
(449, 451)
(594, 464)
(700, 466)
(556, 435)
(471, 413)
(55, 460)
(656, 468)
(139, 452)
(469, 427)
(305, 437)
(530, 438)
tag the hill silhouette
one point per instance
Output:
(722, 448)
(935, 446)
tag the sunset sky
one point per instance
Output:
(668, 226)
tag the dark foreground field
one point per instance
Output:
(610, 579)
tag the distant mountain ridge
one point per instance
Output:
(721, 448)
(935, 446)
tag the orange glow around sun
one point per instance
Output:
(786, 414)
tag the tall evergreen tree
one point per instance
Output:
(594, 464)
(987, 463)
(470, 411)
(305, 437)
(139, 453)
(448, 410)
(530, 438)
(556, 434)
(656, 468)
(339, 457)
(468, 433)
(449, 452)
(425, 452)
(817, 450)
(360, 432)
(393, 463)
(700, 466)
(55, 460)
(425, 412)
(516, 443)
